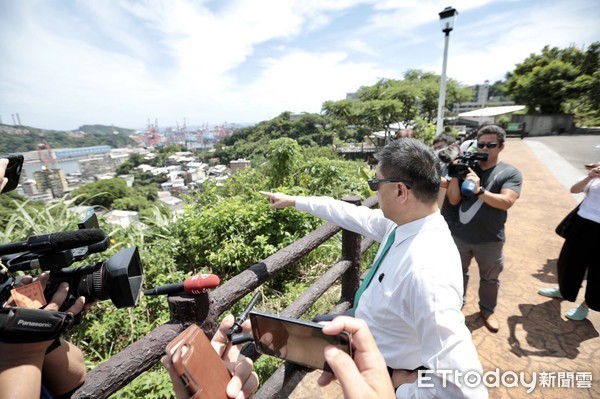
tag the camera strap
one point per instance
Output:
(22, 325)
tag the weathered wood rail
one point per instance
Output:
(109, 377)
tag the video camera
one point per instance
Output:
(119, 278)
(466, 161)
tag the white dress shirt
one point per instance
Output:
(412, 305)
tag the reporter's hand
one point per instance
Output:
(473, 176)
(244, 381)
(365, 377)
(279, 200)
(594, 173)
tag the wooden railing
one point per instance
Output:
(118, 371)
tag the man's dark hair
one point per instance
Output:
(493, 129)
(445, 138)
(410, 159)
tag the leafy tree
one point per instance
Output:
(101, 193)
(497, 89)
(252, 142)
(132, 162)
(559, 80)
(390, 101)
(282, 158)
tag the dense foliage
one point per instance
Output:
(389, 101)
(559, 81)
(224, 230)
(309, 130)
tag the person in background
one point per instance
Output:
(442, 141)
(478, 231)
(412, 304)
(447, 149)
(579, 252)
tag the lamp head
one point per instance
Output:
(447, 17)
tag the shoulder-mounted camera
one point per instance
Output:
(119, 278)
(469, 160)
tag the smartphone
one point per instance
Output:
(13, 171)
(197, 364)
(301, 342)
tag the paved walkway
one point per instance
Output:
(534, 335)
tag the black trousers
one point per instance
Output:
(581, 253)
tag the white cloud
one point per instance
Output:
(68, 63)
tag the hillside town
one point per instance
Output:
(50, 174)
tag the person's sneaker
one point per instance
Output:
(578, 313)
(553, 292)
(491, 322)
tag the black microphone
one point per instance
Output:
(448, 154)
(197, 284)
(55, 241)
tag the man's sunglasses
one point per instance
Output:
(488, 145)
(374, 183)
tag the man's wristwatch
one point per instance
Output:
(481, 191)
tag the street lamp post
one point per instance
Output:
(483, 96)
(447, 20)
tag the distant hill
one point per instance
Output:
(26, 138)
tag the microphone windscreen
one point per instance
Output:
(448, 154)
(77, 238)
(200, 282)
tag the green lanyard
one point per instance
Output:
(374, 267)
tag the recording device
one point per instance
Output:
(448, 154)
(466, 161)
(45, 243)
(119, 278)
(13, 171)
(22, 325)
(198, 365)
(197, 284)
(235, 334)
(297, 341)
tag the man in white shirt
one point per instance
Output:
(412, 305)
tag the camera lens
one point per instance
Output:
(92, 285)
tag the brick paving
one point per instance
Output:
(534, 335)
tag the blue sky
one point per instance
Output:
(65, 63)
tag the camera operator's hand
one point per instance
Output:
(473, 176)
(3, 180)
(244, 382)
(363, 377)
(279, 200)
(22, 365)
(59, 296)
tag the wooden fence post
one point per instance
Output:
(187, 309)
(351, 252)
